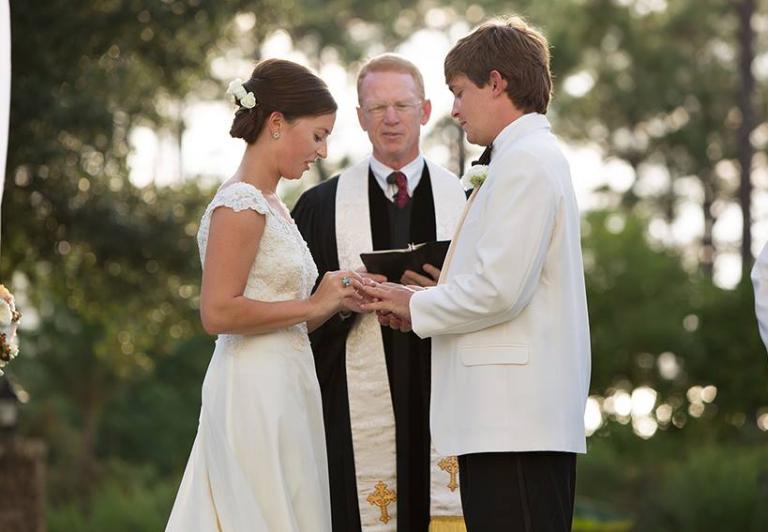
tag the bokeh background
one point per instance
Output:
(119, 137)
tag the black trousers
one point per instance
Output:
(525, 492)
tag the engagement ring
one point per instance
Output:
(346, 281)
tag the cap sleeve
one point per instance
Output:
(239, 197)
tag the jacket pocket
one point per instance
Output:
(478, 355)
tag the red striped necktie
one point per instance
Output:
(401, 197)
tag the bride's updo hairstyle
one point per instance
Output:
(283, 86)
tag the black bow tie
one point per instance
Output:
(485, 157)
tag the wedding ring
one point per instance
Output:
(346, 281)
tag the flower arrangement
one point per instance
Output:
(475, 176)
(9, 322)
(246, 99)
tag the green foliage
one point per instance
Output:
(637, 296)
(714, 489)
(587, 525)
(132, 500)
(666, 485)
(164, 404)
(730, 352)
(642, 303)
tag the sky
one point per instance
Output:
(208, 151)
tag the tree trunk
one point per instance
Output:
(86, 470)
(707, 253)
(180, 127)
(746, 9)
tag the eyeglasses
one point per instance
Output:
(378, 110)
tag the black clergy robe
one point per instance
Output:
(407, 356)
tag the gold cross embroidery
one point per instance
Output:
(451, 466)
(382, 497)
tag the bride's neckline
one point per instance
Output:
(288, 220)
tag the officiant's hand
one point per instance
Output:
(413, 278)
(389, 297)
(372, 276)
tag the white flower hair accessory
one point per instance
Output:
(248, 101)
(236, 89)
(475, 176)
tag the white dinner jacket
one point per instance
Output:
(508, 322)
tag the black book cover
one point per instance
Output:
(393, 262)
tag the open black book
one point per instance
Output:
(394, 262)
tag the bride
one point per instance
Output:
(258, 462)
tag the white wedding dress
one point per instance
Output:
(258, 462)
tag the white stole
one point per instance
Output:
(370, 402)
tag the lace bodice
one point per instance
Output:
(283, 268)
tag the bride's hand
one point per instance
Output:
(335, 292)
(354, 303)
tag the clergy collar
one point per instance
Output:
(412, 171)
(517, 129)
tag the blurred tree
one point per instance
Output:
(746, 34)
(621, 267)
(647, 312)
(659, 90)
(111, 269)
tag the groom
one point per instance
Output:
(508, 318)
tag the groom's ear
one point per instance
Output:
(497, 83)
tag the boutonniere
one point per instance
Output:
(475, 176)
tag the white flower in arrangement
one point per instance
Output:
(475, 176)
(9, 321)
(6, 315)
(248, 101)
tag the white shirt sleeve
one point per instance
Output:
(760, 285)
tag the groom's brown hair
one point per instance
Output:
(513, 48)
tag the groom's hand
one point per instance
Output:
(389, 297)
(413, 278)
(387, 319)
(353, 304)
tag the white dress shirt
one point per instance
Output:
(412, 172)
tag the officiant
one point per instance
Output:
(375, 382)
